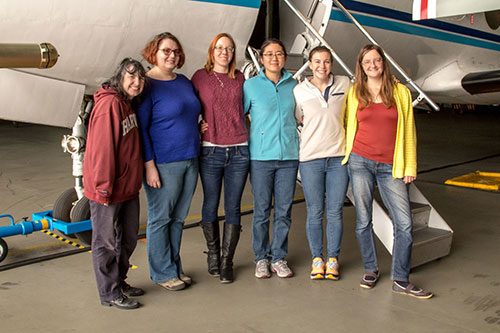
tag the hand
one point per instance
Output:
(152, 176)
(203, 126)
(409, 179)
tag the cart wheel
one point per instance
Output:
(62, 207)
(81, 212)
(3, 249)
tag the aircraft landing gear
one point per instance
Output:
(81, 212)
(63, 205)
(4, 249)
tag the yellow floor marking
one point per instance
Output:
(482, 180)
(34, 247)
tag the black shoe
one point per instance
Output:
(129, 291)
(122, 302)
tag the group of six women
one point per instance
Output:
(362, 132)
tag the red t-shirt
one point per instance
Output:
(376, 135)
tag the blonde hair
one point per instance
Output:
(211, 60)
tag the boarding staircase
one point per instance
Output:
(432, 236)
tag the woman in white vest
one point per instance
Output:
(320, 104)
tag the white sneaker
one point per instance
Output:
(262, 269)
(281, 269)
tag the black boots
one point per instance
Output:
(211, 232)
(231, 236)
(229, 242)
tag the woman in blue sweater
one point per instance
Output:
(274, 154)
(168, 120)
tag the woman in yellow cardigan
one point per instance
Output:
(381, 149)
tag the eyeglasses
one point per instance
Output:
(167, 52)
(221, 49)
(270, 55)
(376, 61)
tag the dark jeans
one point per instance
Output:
(114, 237)
(230, 164)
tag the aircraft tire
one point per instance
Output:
(62, 207)
(4, 249)
(81, 212)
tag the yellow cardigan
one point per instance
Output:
(405, 151)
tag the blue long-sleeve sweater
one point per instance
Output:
(168, 120)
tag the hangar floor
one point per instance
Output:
(60, 295)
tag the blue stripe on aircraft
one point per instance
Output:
(446, 31)
(384, 24)
(239, 3)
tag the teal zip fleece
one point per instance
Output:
(273, 129)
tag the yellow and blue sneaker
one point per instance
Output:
(318, 269)
(332, 269)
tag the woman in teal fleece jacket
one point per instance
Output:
(274, 154)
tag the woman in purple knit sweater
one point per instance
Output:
(224, 153)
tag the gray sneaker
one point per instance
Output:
(281, 269)
(262, 269)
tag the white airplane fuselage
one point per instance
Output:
(93, 36)
(436, 54)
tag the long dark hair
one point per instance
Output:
(387, 89)
(270, 41)
(127, 65)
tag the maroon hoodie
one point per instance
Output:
(113, 166)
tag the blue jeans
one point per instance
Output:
(364, 173)
(272, 178)
(168, 206)
(319, 177)
(230, 164)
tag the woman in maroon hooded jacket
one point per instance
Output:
(112, 173)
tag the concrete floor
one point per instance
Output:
(60, 295)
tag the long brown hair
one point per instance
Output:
(151, 48)
(210, 56)
(387, 89)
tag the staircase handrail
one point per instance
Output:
(422, 94)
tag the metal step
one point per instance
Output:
(420, 214)
(432, 237)
(430, 244)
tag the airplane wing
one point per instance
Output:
(429, 9)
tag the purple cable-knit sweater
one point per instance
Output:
(222, 107)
